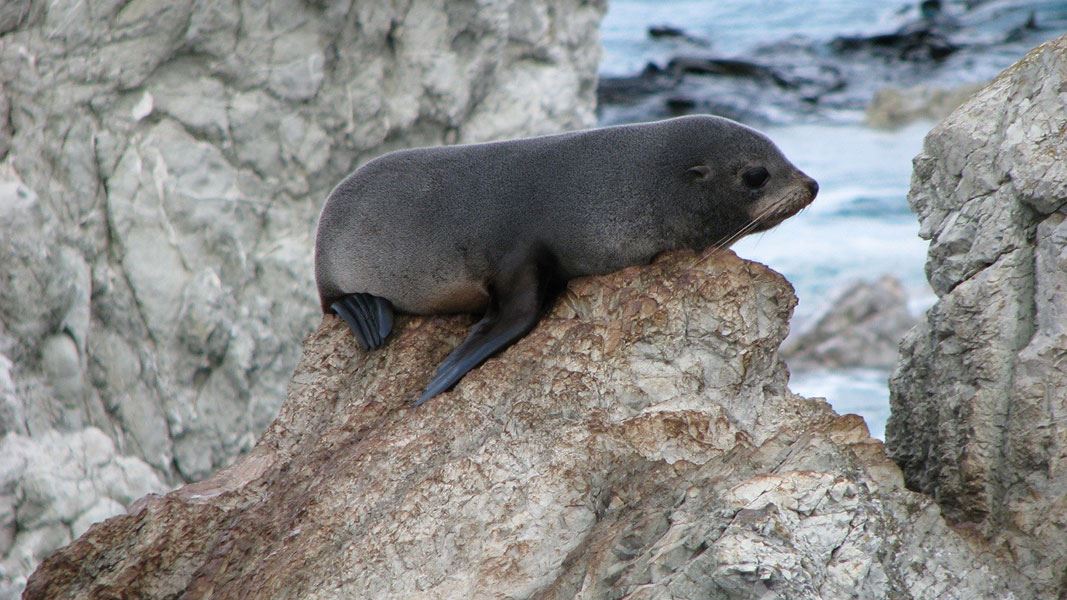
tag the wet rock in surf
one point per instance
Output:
(797, 79)
(860, 328)
(668, 32)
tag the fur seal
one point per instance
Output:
(498, 228)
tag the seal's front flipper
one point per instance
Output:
(513, 311)
(369, 317)
(479, 346)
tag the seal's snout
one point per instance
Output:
(812, 185)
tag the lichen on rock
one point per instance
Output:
(640, 442)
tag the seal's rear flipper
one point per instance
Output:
(369, 317)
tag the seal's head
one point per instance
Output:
(750, 182)
(776, 198)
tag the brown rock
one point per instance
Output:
(639, 443)
(162, 168)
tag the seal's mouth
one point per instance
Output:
(773, 210)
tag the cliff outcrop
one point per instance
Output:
(979, 398)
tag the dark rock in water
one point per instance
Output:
(695, 65)
(653, 79)
(810, 81)
(629, 90)
(790, 80)
(926, 38)
(906, 44)
(948, 45)
(681, 104)
(659, 31)
(930, 9)
(669, 32)
(748, 91)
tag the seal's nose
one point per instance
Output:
(813, 186)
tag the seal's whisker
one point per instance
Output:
(749, 226)
(752, 224)
(773, 208)
(739, 234)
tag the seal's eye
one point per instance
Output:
(755, 177)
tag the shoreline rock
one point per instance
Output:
(979, 396)
(860, 328)
(894, 107)
(908, 70)
(677, 34)
(640, 440)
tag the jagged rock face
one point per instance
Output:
(162, 164)
(861, 327)
(54, 487)
(639, 443)
(980, 395)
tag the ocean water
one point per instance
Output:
(733, 27)
(860, 226)
(737, 27)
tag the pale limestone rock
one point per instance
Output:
(980, 395)
(12, 417)
(53, 487)
(639, 443)
(198, 140)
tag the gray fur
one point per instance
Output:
(429, 228)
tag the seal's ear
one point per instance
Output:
(700, 172)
